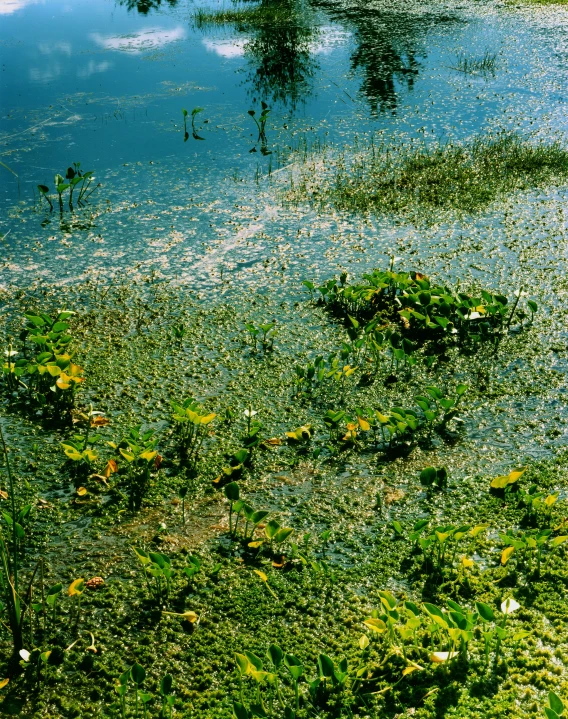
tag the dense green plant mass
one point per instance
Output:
(411, 179)
(419, 309)
(258, 548)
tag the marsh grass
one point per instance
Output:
(485, 65)
(241, 15)
(415, 178)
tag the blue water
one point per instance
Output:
(104, 84)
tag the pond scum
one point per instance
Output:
(203, 514)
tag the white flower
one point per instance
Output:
(509, 606)
(250, 412)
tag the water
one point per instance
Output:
(104, 83)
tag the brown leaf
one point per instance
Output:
(273, 442)
(99, 421)
(157, 461)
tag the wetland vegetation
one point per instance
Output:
(283, 425)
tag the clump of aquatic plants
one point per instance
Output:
(190, 423)
(79, 449)
(260, 123)
(194, 113)
(265, 684)
(420, 179)
(75, 179)
(138, 448)
(265, 331)
(426, 633)
(484, 65)
(135, 676)
(420, 310)
(42, 368)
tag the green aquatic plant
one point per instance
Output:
(74, 178)
(484, 65)
(554, 708)
(434, 478)
(191, 424)
(158, 567)
(46, 371)
(139, 450)
(266, 331)
(261, 121)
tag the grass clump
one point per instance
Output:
(485, 65)
(462, 178)
(240, 15)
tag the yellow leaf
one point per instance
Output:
(375, 625)
(3, 683)
(408, 670)
(111, 468)
(351, 426)
(474, 531)
(148, 455)
(189, 616)
(466, 562)
(208, 418)
(363, 642)
(53, 370)
(63, 382)
(365, 426)
(255, 545)
(76, 587)
(506, 555)
(81, 491)
(262, 575)
(551, 499)
(504, 480)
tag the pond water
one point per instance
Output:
(104, 84)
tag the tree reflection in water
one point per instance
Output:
(144, 6)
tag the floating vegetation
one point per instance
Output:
(417, 179)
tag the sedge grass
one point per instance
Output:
(413, 178)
